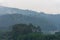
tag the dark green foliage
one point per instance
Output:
(23, 29)
(27, 32)
(31, 36)
(30, 32)
(37, 36)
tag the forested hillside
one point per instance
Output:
(27, 32)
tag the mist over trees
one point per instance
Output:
(27, 32)
(13, 17)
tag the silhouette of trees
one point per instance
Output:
(23, 29)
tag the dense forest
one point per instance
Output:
(27, 32)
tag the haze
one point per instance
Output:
(47, 6)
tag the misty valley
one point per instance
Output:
(18, 24)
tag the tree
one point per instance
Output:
(23, 29)
(20, 29)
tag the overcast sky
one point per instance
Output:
(48, 6)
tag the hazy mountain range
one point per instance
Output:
(11, 16)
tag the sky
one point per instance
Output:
(47, 6)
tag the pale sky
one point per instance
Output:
(48, 6)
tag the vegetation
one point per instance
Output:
(27, 32)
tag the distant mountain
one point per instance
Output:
(11, 16)
(11, 19)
